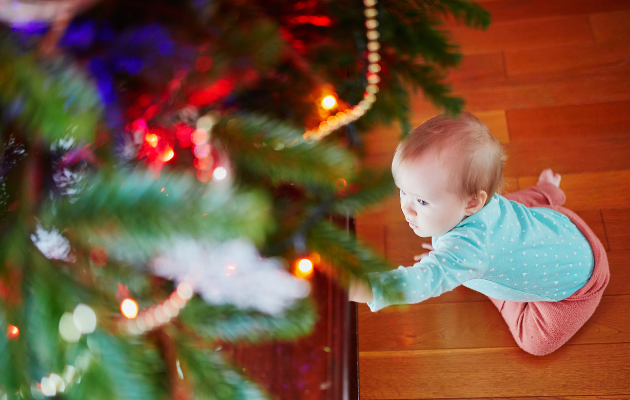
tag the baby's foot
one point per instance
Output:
(549, 176)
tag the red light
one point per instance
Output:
(98, 255)
(203, 63)
(12, 331)
(167, 155)
(152, 139)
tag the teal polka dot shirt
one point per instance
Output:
(505, 251)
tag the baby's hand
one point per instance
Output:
(360, 292)
(421, 256)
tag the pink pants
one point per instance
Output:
(542, 327)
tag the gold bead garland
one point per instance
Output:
(345, 117)
(160, 314)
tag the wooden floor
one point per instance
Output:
(551, 78)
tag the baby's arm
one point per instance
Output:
(454, 261)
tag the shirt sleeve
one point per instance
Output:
(457, 258)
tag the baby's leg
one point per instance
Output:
(545, 193)
(541, 327)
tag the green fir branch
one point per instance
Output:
(468, 12)
(138, 212)
(374, 187)
(341, 249)
(118, 369)
(51, 98)
(212, 377)
(270, 150)
(231, 324)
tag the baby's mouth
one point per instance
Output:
(412, 226)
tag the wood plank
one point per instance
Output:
(496, 122)
(619, 273)
(590, 57)
(588, 154)
(475, 325)
(568, 122)
(611, 26)
(524, 34)
(603, 190)
(371, 233)
(596, 369)
(594, 220)
(617, 224)
(509, 10)
(401, 244)
(509, 185)
(479, 68)
(382, 139)
(544, 91)
(597, 397)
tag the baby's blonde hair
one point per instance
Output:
(480, 166)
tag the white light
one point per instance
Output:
(84, 318)
(67, 329)
(219, 173)
(60, 385)
(206, 122)
(68, 373)
(47, 387)
(185, 291)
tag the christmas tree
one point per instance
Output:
(165, 166)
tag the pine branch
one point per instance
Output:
(374, 186)
(231, 324)
(267, 149)
(138, 212)
(118, 370)
(427, 78)
(468, 12)
(344, 251)
(52, 98)
(213, 377)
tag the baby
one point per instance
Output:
(539, 263)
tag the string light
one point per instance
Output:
(329, 102)
(304, 267)
(152, 139)
(129, 308)
(351, 114)
(12, 331)
(167, 154)
(160, 314)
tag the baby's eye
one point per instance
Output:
(424, 203)
(403, 193)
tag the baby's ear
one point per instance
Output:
(476, 202)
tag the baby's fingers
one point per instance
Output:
(420, 256)
(427, 246)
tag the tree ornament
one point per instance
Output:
(231, 273)
(343, 118)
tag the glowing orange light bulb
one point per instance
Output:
(167, 154)
(152, 139)
(12, 331)
(304, 268)
(329, 102)
(129, 308)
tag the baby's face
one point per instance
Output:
(427, 200)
